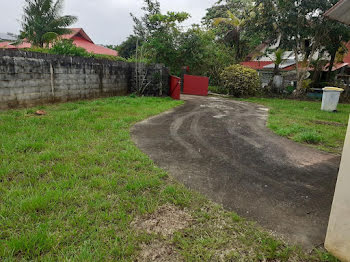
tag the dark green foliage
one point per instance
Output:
(108, 57)
(203, 54)
(240, 81)
(302, 28)
(161, 40)
(230, 21)
(159, 35)
(67, 47)
(127, 49)
(42, 21)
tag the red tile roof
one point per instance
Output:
(347, 56)
(92, 48)
(8, 45)
(77, 32)
(257, 65)
(80, 39)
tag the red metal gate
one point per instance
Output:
(175, 87)
(196, 85)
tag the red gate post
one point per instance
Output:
(175, 87)
(196, 85)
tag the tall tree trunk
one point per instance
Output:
(331, 64)
(238, 50)
(276, 70)
(302, 71)
(298, 73)
(316, 76)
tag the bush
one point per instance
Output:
(240, 81)
(290, 89)
(67, 47)
(108, 57)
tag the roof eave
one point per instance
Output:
(340, 12)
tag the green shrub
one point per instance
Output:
(240, 81)
(108, 57)
(67, 47)
(307, 84)
(38, 50)
(290, 89)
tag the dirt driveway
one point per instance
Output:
(223, 149)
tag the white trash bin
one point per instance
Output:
(330, 98)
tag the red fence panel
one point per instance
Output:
(175, 87)
(196, 85)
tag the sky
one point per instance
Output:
(105, 21)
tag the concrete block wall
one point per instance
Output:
(29, 78)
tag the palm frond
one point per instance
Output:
(42, 17)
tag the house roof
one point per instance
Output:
(80, 39)
(257, 65)
(346, 58)
(335, 66)
(92, 48)
(9, 45)
(340, 12)
(268, 65)
(77, 32)
(7, 37)
(283, 65)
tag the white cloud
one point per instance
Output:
(106, 21)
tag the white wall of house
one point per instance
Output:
(338, 235)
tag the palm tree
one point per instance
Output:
(42, 21)
(277, 81)
(279, 59)
(236, 26)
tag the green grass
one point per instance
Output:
(72, 182)
(304, 122)
(218, 90)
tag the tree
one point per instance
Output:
(200, 50)
(236, 26)
(337, 34)
(160, 34)
(42, 21)
(230, 21)
(238, 8)
(127, 49)
(277, 81)
(300, 26)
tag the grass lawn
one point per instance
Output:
(304, 122)
(73, 187)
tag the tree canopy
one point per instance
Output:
(42, 21)
(232, 29)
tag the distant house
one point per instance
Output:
(7, 37)
(340, 12)
(264, 64)
(80, 39)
